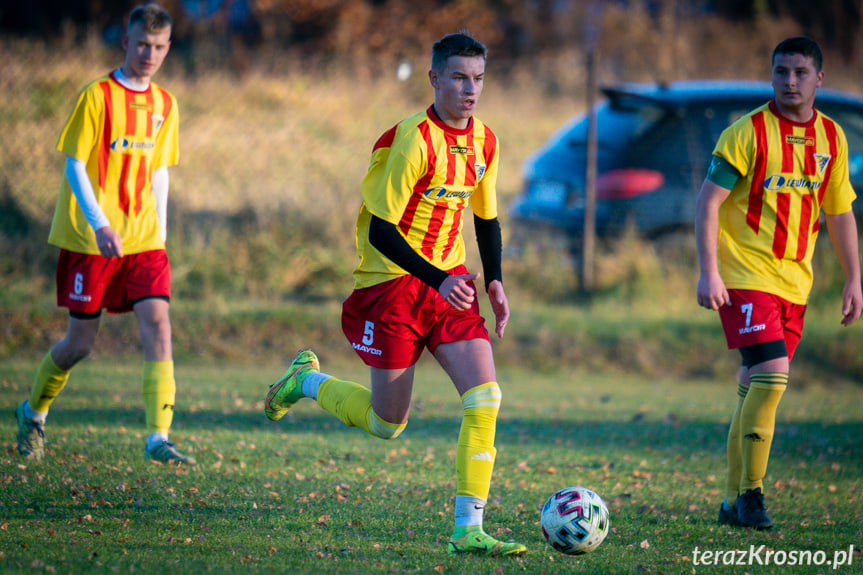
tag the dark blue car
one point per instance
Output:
(654, 146)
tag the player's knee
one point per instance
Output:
(384, 429)
(485, 397)
(69, 352)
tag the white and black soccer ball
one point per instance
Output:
(574, 520)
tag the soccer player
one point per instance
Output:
(757, 219)
(109, 224)
(412, 290)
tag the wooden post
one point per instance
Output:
(588, 263)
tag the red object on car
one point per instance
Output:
(627, 183)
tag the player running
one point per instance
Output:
(412, 290)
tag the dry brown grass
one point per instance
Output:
(271, 164)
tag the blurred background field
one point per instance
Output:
(277, 123)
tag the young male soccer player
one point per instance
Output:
(757, 219)
(412, 289)
(109, 224)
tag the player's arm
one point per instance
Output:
(843, 234)
(109, 242)
(385, 237)
(160, 193)
(721, 178)
(488, 238)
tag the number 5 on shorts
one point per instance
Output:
(368, 333)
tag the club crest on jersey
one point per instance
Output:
(822, 161)
(157, 122)
(480, 171)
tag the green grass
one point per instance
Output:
(307, 495)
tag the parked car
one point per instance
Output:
(654, 144)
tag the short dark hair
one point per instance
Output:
(800, 45)
(459, 44)
(152, 17)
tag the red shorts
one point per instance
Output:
(389, 324)
(758, 317)
(88, 283)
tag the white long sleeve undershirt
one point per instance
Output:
(79, 181)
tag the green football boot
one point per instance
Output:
(475, 540)
(289, 389)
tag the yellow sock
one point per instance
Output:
(159, 391)
(475, 452)
(352, 404)
(734, 451)
(47, 384)
(757, 420)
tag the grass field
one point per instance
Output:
(307, 495)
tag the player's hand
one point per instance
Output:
(457, 291)
(711, 292)
(109, 242)
(852, 303)
(499, 305)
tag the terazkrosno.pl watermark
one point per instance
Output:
(761, 555)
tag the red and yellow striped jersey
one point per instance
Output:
(421, 177)
(769, 223)
(121, 135)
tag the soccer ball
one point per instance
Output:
(574, 520)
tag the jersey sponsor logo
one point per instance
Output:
(462, 150)
(79, 297)
(800, 140)
(775, 183)
(441, 193)
(366, 349)
(126, 145)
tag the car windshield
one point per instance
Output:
(618, 121)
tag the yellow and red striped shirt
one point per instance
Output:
(421, 177)
(122, 136)
(769, 223)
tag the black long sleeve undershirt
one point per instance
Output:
(386, 238)
(488, 238)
